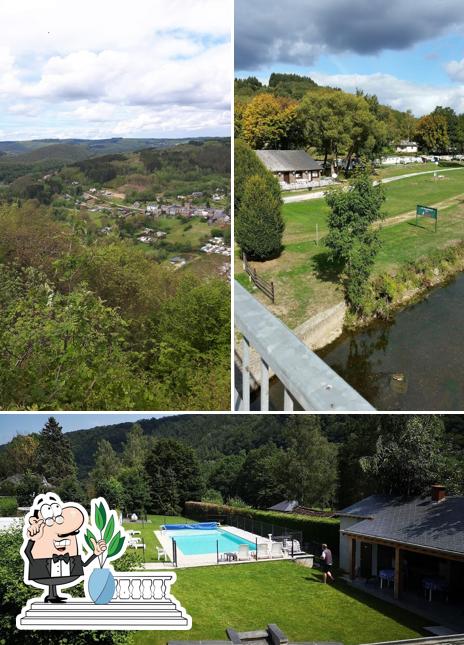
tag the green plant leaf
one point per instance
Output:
(100, 516)
(109, 530)
(119, 546)
(88, 538)
(113, 545)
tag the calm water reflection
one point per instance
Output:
(414, 362)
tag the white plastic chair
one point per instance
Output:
(161, 553)
(263, 550)
(276, 550)
(243, 552)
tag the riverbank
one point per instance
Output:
(387, 292)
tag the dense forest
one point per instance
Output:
(93, 322)
(159, 464)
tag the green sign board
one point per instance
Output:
(427, 211)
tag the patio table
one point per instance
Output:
(433, 583)
(230, 556)
(386, 574)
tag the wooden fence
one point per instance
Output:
(266, 287)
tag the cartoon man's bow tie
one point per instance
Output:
(57, 558)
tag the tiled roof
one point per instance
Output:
(417, 521)
(288, 160)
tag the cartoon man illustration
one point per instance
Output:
(52, 546)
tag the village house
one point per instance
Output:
(152, 209)
(409, 544)
(407, 146)
(291, 166)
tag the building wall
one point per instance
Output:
(345, 523)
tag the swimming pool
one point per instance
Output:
(203, 542)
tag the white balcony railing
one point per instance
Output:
(305, 377)
(140, 601)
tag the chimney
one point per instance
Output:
(438, 493)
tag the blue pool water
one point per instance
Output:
(203, 542)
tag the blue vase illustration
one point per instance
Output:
(101, 586)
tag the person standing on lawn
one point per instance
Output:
(327, 562)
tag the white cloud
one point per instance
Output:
(94, 66)
(399, 94)
(455, 69)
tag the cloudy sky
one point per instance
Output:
(102, 68)
(25, 423)
(409, 53)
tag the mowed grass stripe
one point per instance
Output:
(250, 596)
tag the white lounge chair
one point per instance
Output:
(262, 551)
(243, 552)
(276, 550)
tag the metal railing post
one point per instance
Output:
(264, 393)
(245, 374)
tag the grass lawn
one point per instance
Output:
(406, 242)
(181, 232)
(306, 282)
(250, 596)
(404, 195)
(405, 169)
(146, 532)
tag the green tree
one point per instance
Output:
(135, 448)
(432, 133)
(352, 241)
(29, 486)
(259, 482)
(107, 463)
(174, 476)
(112, 491)
(309, 467)
(409, 454)
(259, 225)
(271, 122)
(136, 489)
(55, 459)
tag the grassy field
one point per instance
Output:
(405, 169)
(146, 532)
(250, 596)
(307, 283)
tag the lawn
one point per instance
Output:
(406, 242)
(404, 195)
(146, 532)
(306, 283)
(249, 596)
(405, 169)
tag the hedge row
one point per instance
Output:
(314, 529)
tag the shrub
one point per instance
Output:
(259, 225)
(8, 506)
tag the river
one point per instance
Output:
(413, 362)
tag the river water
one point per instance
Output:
(415, 361)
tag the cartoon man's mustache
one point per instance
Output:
(63, 535)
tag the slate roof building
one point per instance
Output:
(416, 538)
(291, 166)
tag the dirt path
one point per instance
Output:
(403, 217)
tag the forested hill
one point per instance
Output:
(213, 435)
